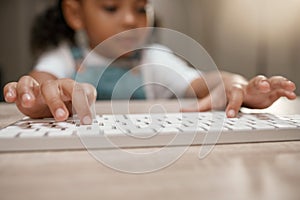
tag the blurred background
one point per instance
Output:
(248, 37)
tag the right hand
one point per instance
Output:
(51, 98)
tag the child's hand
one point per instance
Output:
(260, 92)
(51, 98)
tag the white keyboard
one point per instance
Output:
(143, 130)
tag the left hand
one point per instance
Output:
(260, 92)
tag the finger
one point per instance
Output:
(80, 98)
(276, 94)
(203, 105)
(235, 100)
(10, 93)
(51, 93)
(25, 93)
(91, 94)
(90, 91)
(290, 95)
(279, 82)
(258, 84)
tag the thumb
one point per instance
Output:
(203, 105)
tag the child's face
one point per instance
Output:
(102, 19)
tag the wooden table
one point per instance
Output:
(237, 171)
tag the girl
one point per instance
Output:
(49, 88)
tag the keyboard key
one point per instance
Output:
(32, 134)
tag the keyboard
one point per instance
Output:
(148, 130)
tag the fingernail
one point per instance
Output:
(60, 113)
(26, 97)
(9, 94)
(231, 113)
(266, 83)
(87, 120)
(290, 83)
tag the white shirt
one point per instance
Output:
(164, 74)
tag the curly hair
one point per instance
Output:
(49, 30)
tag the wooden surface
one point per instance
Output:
(239, 171)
